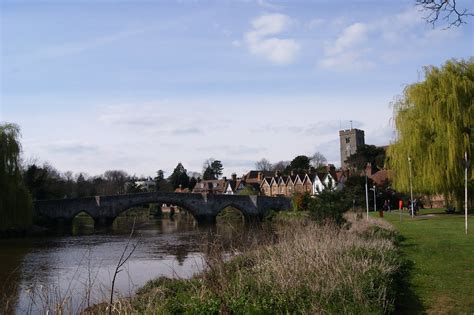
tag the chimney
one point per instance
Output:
(292, 173)
(224, 178)
(259, 176)
(277, 173)
(234, 177)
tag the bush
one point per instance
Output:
(301, 201)
(328, 207)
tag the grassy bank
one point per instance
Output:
(309, 269)
(442, 272)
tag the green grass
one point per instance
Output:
(441, 278)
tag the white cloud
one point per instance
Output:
(346, 51)
(390, 38)
(351, 36)
(268, 5)
(260, 42)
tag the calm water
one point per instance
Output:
(36, 273)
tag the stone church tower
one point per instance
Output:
(350, 140)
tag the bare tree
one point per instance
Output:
(447, 10)
(318, 160)
(116, 180)
(263, 165)
(280, 166)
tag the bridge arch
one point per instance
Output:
(183, 205)
(235, 206)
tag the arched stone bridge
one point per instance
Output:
(204, 208)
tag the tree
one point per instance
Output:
(280, 166)
(434, 122)
(15, 200)
(446, 10)
(45, 182)
(82, 186)
(367, 154)
(300, 163)
(354, 190)
(161, 183)
(179, 177)
(217, 168)
(116, 180)
(318, 160)
(192, 182)
(212, 169)
(263, 165)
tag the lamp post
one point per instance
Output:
(375, 200)
(411, 188)
(466, 165)
(366, 195)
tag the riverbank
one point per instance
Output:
(441, 275)
(302, 268)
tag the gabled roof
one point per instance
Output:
(267, 180)
(307, 178)
(282, 180)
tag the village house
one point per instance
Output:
(212, 186)
(299, 183)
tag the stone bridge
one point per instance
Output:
(204, 208)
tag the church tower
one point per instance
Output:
(350, 140)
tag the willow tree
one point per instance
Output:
(15, 200)
(434, 122)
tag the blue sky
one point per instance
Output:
(141, 85)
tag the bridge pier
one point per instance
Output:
(205, 219)
(63, 223)
(103, 222)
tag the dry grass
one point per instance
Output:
(311, 270)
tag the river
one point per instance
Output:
(76, 268)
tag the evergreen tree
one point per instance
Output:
(212, 169)
(179, 177)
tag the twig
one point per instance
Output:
(121, 262)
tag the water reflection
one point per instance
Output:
(39, 272)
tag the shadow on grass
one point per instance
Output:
(406, 302)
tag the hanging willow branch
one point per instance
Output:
(434, 122)
(15, 200)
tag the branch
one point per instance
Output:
(444, 9)
(121, 262)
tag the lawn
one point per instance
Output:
(441, 278)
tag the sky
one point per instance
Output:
(142, 85)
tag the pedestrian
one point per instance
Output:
(400, 205)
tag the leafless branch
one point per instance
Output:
(121, 262)
(446, 10)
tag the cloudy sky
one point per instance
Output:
(141, 85)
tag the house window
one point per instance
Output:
(348, 140)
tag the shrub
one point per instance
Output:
(301, 201)
(329, 206)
